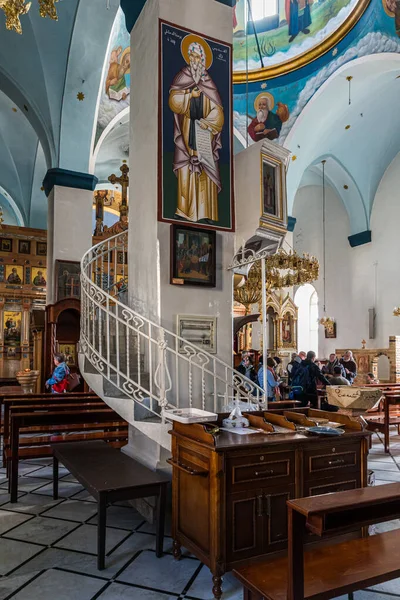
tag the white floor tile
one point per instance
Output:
(13, 553)
(61, 585)
(41, 530)
(163, 573)
(84, 539)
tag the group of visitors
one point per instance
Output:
(304, 373)
(274, 366)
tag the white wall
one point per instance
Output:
(350, 272)
(69, 228)
(247, 191)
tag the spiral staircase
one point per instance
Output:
(138, 367)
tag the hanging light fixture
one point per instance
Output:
(325, 321)
(283, 270)
(14, 9)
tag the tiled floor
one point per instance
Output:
(48, 548)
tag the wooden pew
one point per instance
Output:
(323, 572)
(39, 399)
(21, 396)
(75, 422)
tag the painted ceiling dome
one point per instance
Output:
(272, 37)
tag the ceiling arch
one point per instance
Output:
(342, 182)
(112, 148)
(361, 138)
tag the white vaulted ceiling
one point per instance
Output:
(357, 156)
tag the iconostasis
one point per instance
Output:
(23, 281)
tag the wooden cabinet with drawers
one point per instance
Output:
(230, 491)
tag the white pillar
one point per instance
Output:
(69, 219)
(150, 291)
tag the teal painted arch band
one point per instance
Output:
(71, 179)
(291, 223)
(358, 239)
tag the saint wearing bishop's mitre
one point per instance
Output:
(194, 97)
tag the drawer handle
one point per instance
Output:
(265, 472)
(260, 507)
(187, 469)
(333, 463)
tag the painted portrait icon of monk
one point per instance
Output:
(267, 124)
(194, 98)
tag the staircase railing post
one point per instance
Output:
(162, 364)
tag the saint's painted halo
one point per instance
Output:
(192, 38)
(271, 100)
(388, 10)
(121, 60)
(293, 35)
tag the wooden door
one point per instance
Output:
(244, 525)
(275, 517)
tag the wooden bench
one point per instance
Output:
(75, 420)
(381, 422)
(110, 476)
(324, 572)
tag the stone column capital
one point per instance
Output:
(71, 179)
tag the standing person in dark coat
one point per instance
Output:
(306, 377)
(349, 365)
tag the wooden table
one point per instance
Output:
(332, 570)
(238, 485)
(110, 476)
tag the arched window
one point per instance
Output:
(306, 299)
(263, 8)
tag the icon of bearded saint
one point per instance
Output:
(194, 97)
(267, 124)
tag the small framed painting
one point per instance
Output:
(273, 208)
(330, 330)
(14, 274)
(199, 331)
(193, 256)
(39, 276)
(12, 321)
(24, 247)
(69, 351)
(67, 279)
(41, 248)
(5, 245)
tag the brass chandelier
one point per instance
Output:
(250, 293)
(286, 269)
(14, 9)
(283, 269)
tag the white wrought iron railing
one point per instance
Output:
(149, 364)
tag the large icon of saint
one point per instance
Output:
(198, 123)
